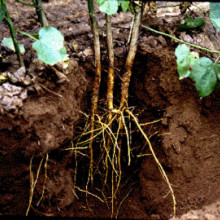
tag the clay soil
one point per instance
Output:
(186, 139)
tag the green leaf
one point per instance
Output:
(215, 14)
(182, 53)
(203, 74)
(8, 42)
(191, 23)
(100, 2)
(50, 46)
(194, 56)
(109, 7)
(124, 4)
(132, 7)
(2, 13)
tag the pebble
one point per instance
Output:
(7, 86)
(6, 100)
(9, 107)
(16, 90)
(11, 97)
(209, 217)
(24, 94)
(20, 73)
(17, 101)
(162, 40)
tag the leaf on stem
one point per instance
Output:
(185, 60)
(215, 14)
(50, 46)
(203, 73)
(124, 4)
(191, 23)
(8, 42)
(109, 7)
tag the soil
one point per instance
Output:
(41, 119)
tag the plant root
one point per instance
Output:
(111, 170)
(108, 130)
(33, 182)
(163, 173)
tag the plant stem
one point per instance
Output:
(27, 4)
(216, 61)
(26, 34)
(130, 32)
(181, 41)
(128, 68)
(13, 35)
(97, 80)
(167, 6)
(110, 83)
(40, 13)
(130, 59)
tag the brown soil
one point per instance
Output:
(186, 141)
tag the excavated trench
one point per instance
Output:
(186, 142)
(42, 118)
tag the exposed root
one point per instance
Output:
(33, 182)
(111, 170)
(89, 193)
(108, 130)
(163, 173)
(152, 122)
(45, 179)
(128, 138)
(116, 216)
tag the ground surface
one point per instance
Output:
(42, 118)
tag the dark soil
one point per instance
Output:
(186, 140)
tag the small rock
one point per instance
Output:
(152, 42)
(24, 94)
(12, 78)
(17, 101)
(88, 52)
(20, 73)
(6, 100)
(162, 40)
(191, 216)
(9, 94)
(209, 217)
(7, 86)
(186, 37)
(27, 81)
(9, 107)
(16, 90)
